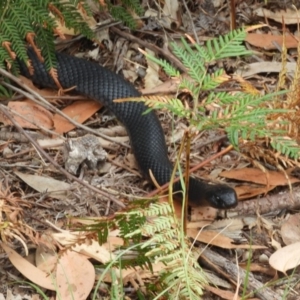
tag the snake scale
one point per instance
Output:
(145, 131)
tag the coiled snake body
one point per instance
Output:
(145, 131)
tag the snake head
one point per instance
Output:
(221, 196)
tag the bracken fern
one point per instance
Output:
(30, 21)
(243, 115)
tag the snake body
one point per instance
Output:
(145, 131)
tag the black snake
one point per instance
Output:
(145, 131)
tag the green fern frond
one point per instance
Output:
(186, 277)
(137, 258)
(173, 105)
(5, 93)
(229, 45)
(45, 41)
(102, 234)
(242, 115)
(10, 30)
(35, 14)
(135, 5)
(122, 14)
(286, 146)
(130, 224)
(167, 67)
(165, 243)
(181, 280)
(191, 86)
(155, 209)
(20, 20)
(161, 237)
(212, 81)
(123, 11)
(224, 97)
(72, 17)
(196, 60)
(161, 223)
(7, 61)
(22, 17)
(191, 61)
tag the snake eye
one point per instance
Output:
(218, 198)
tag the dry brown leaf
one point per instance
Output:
(152, 78)
(222, 293)
(130, 75)
(290, 230)
(247, 191)
(170, 10)
(113, 242)
(275, 244)
(167, 87)
(75, 276)
(286, 258)
(102, 253)
(233, 225)
(254, 267)
(288, 16)
(92, 249)
(268, 41)
(265, 67)
(45, 259)
(203, 213)
(56, 188)
(216, 239)
(31, 272)
(33, 112)
(79, 111)
(258, 176)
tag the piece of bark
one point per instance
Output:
(289, 199)
(217, 262)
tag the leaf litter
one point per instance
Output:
(71, 265)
